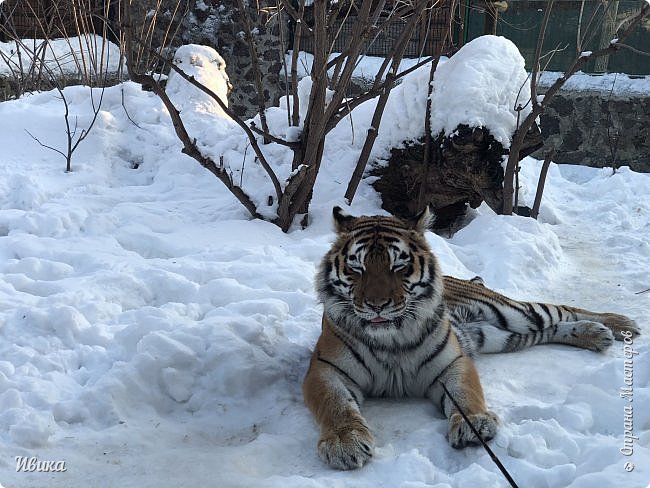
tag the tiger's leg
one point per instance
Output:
(334, 400)
(485, 338)
(478, 312)
(462, 381)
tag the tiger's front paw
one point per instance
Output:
(348, 447)
(460, 434)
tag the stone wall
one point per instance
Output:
(596, 128)
(219, 24)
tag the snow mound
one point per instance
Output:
(481, 86)
(208, 68)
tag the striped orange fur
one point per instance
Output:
(394, 326)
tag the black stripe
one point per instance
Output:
(481, 338)
(375, 228)
(436, 351)
(537, 318)
(354, 353)
(547, 310)
(535, 338)
(484, 300)
(514, 341)
(426, 292)
(501, 319)
(404, 348)
(441, 403)
(422, 284)
(344, 248)
(344, 373)
(443, 371)
(354, 397)
(460, 289)
(340, 283)
(363, 240)
(391, 239)
(349, 378)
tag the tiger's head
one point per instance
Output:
(379, 274)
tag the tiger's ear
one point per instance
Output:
(422, 221)
(342, 221)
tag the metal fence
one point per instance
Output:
(520, 23)
(35, 19)
(425, 41)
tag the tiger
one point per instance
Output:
(394, 326)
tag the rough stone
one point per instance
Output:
(599, 129)
(219, 24)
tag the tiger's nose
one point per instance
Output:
(377, 305)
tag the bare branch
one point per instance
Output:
(96, 110)
(584, 58)
(255, 66)
(126, 111)
(422, 203)
(348, 105)
(541, 182)
(295, 15)
(271, 137)
(538, 52)
(251, 136)
(45, 145)
(527, 124)
(579, 28)
(397, 54)
(295, 120)
(633, 49)
(189, 145)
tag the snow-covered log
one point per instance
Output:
(465, 170)
(478, 98)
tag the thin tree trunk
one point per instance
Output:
(607, 32)
(540, 183)
(255, 66)
(427, 119)
(295, 121)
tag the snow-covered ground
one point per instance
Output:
(75, 56)
(152, 335)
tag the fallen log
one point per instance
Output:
(465, 169)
